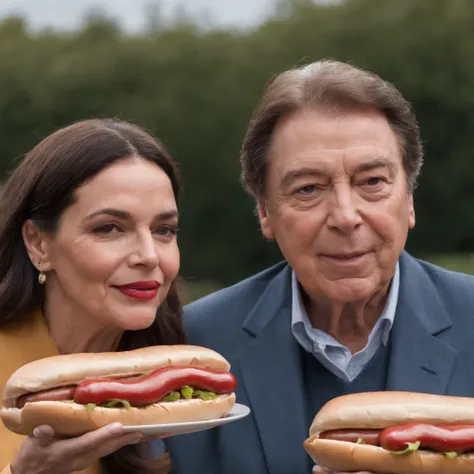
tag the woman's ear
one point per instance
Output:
(36, 245)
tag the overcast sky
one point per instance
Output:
(67, 14)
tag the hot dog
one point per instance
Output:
(77, 393)
(52, 395)
(394, 433)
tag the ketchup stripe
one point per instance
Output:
(153, 387)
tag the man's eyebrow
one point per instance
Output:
(379, 162)
(291, 175)
(166, 215)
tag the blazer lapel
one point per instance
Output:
(420, 361)
(271, 372)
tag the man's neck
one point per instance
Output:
(350, 323)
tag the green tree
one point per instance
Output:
(195, 88)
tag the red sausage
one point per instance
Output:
(442, 439)
(51, 395)
(153, 387)
(353, 436)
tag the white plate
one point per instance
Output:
(237, 413)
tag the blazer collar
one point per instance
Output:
(421, 361)
(272, 377)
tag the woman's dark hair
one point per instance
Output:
(40, 189)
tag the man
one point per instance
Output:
(331, 155)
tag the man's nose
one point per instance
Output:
(343, 212)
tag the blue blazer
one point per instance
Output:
(249, 323)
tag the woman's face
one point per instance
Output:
(115, 252)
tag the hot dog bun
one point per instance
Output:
(384, 409)
(69, 369)
(339, 456)
(378, 410)
(71, 419)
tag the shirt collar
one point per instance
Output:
(299, 316)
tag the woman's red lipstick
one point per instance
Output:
(140, 290)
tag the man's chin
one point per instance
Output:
(349, 290)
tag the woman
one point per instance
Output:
(88, 263)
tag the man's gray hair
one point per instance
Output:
(332, 86)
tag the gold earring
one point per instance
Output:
(41, 276)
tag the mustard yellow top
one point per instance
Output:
(18, 346)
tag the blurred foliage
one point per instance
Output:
(193, 290)
(195, 89)
(457, 262)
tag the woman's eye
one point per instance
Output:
(167, 231)
(107, 229)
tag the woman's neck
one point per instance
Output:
(73, 333)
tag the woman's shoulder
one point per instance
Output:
(22, 343)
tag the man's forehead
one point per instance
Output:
(330, 161)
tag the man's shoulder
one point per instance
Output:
(449, 284)
(237, 298)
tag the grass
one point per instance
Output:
(457, 262)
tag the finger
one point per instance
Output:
(43, 435)
(114, 444)
(83, 460)
(319, 470)
(90, 441)
(158, 436)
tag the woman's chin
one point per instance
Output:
(135, 322)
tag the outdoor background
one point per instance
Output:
(191, 73)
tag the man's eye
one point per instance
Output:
(374, 181)
(306, 190)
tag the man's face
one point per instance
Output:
(337, 201)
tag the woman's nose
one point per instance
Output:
(145, 252)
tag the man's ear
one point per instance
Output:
(264, 219)
(411, 212)
(36, 245)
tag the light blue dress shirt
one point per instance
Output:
(333, 355)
